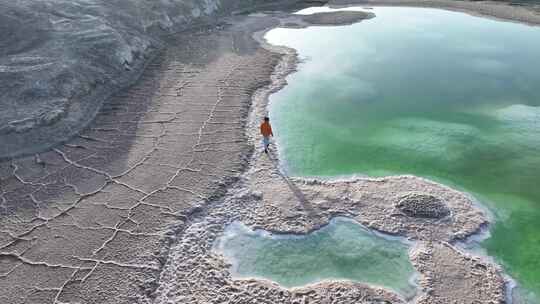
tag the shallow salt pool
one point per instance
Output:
(429, 92)
(342, 250)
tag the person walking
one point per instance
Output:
(266, 131)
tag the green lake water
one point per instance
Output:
(438, 94)
(342, 250)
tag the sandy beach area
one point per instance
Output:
(128, 211)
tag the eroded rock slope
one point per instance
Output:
(60, 59)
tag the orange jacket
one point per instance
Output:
(266, 129)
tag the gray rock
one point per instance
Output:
(423, 206)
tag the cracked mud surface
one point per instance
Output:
(92, 221)
(86, 221)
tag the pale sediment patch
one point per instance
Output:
(337, 18)
(528, 14)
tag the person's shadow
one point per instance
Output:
(306, 205)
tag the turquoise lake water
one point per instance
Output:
(342, 250)
(434, 93)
